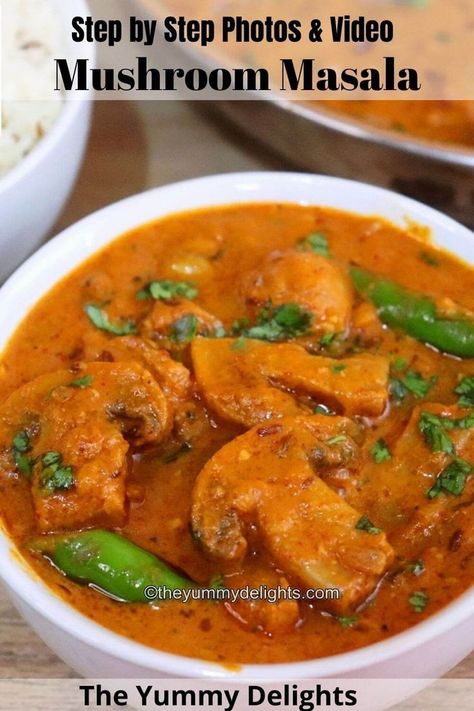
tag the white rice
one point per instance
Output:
(31, 38)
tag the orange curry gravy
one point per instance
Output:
(439, 121)
(217, 250)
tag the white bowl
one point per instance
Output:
(33, 193)
(427, 650)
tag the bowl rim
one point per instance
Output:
(455, 155)
(451, 153)
(71, 110)
(26, 584)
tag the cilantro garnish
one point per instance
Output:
(327, 339)
(466, 391)
(347, 622)
(100, 319)
(21, 442)
(433, 428)
(82, 383)
(316, 242)
(452, 479)
(21, 445)
(279, 323)
(166, 289)
(239, 344)
(365, 524)
(399, 363)
(55, 475)
(412, 382)
(184, 329)
(380, 452)
(418, 600)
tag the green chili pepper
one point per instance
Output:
(416, 315)
(109, 562)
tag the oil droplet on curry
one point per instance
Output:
(256, 395)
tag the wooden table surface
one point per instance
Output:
(135, 146)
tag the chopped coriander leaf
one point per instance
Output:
(347, 622)
(429, 259)
(380, 452)
(23, 463)
(338, 368)
(365, 524)
(412, 382)
(465, 423)
(433, 428)
(466, 391)
(323, 410)
(239, 344)
(399, 363)
(239, 325)
(166, 289)
(21, 442)
(316, 242)
(416, 384)
(452, 479)
(100, 319)
(184, 329)
(327, 339)
(279, 323)
(21, 445)
(417, 567)
(51, 458)
(82, 383)
(292, 319)
(418, 600)
(338, 439)
(57, 478)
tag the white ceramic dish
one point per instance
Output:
(33, 193)
(425, 651)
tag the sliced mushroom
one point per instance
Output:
(313, 282)
(268, 478)
(173, 377)
(253, 381)
(85, 424)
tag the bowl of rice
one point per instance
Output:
(43, 137)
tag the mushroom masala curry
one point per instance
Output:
(263, 397)
(439, 121)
